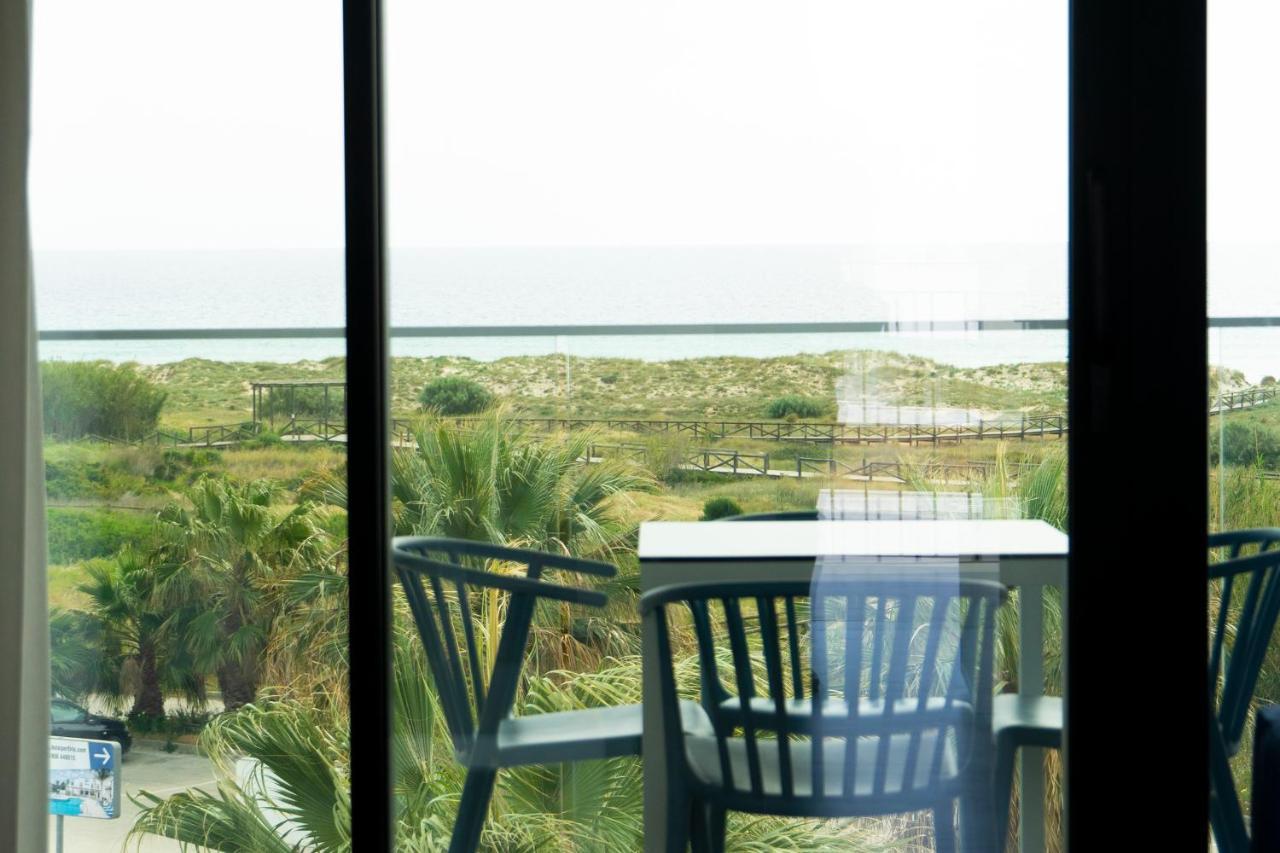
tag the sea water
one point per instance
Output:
(930, 292)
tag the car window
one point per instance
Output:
(65, 712)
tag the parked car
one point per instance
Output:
(70, 720)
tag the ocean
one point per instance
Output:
(914, 286)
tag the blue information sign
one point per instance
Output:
(84, 778)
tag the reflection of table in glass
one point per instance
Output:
(1029, 555)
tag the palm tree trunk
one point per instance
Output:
(239, 687)
(149, 699)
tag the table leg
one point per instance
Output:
(653, 754)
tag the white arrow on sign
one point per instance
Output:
(104, 755)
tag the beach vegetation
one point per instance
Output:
(83, 398)
(76, 533)
(720, 506)
(454, 395)
(795, 406)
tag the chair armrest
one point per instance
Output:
(421, 545)
(412, 563)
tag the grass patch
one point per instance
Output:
(80, 534)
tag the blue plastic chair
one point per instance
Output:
(1248, 576)
(783, 735)
(1018, 722)
(477, 704)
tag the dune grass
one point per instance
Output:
(205, 392)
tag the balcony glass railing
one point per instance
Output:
(682, 424)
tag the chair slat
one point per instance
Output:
(793, 645)
(895, 683)
(877, 647)
(937, 619)
(958, 687)
(453, 661)
(458, 721)
(712, 691)
(746, 690)
(1238, 661)
(819, 687)
(765, 606)
(1220, 631)
(854, 627)
(473, 649)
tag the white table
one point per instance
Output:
(1026, 554)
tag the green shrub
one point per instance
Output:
(81, 534)
(720, 507)
(455, 395)
(263, 440)
(186, 464)
(795, 406)
(1247, 443)
(94, 398)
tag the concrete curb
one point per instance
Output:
(158, 745)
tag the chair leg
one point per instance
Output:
(679, 821)
(1005, 755)
(699, 827)
(472, 810)
(1226, 816)
(944, 827)
(716, 828)
(977, 816)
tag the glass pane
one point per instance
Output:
(1244, 361)
(731, 259)
(187, 175)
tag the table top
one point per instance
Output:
(775, 540)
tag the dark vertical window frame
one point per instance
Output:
(1136, 668)
(368, 447)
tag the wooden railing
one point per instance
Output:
(1246, 399)
(1025, 427)
(723, 461)
(1022, 428)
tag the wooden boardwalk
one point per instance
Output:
(734, 462)
(1023, 428)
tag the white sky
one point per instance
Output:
(173, 124)
(161, 123)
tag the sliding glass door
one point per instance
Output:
(187, 215)
(681, 262)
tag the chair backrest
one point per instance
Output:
(828, 672)
(1248, 582)
(458, 606)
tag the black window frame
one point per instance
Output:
(1138, 336)
(1138, 345)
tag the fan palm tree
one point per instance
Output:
(297, 795)
(136, 638)
(78, 655)
(231, 551)
(490, 481)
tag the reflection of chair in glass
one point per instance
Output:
(787, 736)
(1248, 602)
(450, 604)
(1018, 722)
